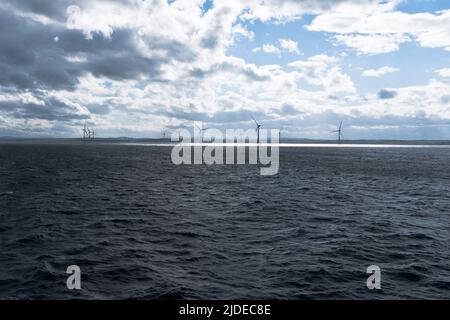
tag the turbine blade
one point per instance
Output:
(255, 121)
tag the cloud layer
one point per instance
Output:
(138, 67)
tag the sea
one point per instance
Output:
(140, 227)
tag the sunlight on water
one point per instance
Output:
(291, 145)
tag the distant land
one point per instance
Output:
(7, 140)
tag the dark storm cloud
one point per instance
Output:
(29, 57)
(32, 59)
(53, 9)
(386, 94)
(34, 55)
(37, 58)
(121, 66)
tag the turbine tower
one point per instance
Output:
(339, 132)
(258, 126)
(279, 133)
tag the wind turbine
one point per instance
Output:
(93, 134)
(339, 132)
(85, 131)
(202, 130)
(258, 126)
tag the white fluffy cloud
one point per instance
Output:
(267, 48)
(289, 45)
(372, 43)
(286, 45)
(379, 72)
(288, 10)
(321, 70)
(383, 29)
(444, 72)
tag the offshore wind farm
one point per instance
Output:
(241, 136)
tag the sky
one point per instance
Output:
(139, 68)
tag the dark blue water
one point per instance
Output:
(140, 227)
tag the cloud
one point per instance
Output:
(373, 43)
(71, 77)
(41, 106)
(311, 70)
(386, 94)
(336, 82)
(286, 45)
(379, 72)
(289, 45)
(267, 48)
(289, 10)
(133, 67)
(379, 28)
(31, 59)
(320, 70)
(444, 72)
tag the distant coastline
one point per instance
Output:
(6, 140)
